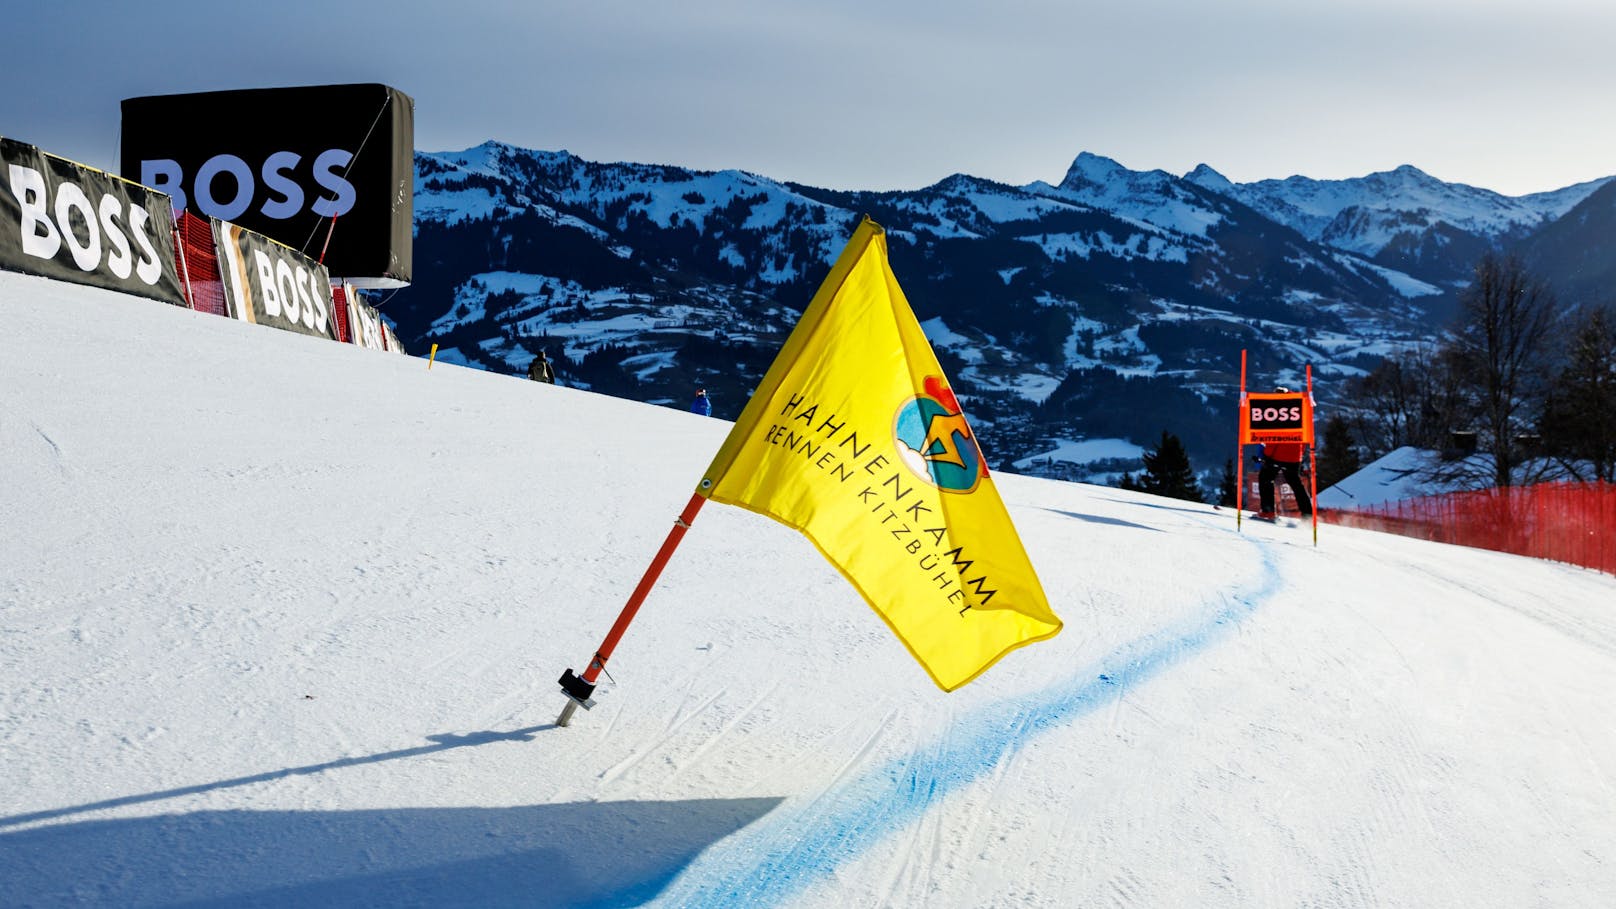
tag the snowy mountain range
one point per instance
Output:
(1404, 218)
(1110, 306)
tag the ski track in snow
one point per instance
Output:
(768, 867)
(1528, 603)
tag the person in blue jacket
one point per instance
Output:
(701, 405)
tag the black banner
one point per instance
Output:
(326, 168)
(366, 327)
(74, 223)
(364, 323)
(273, 285)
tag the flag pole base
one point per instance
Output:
(565, 719)
(578, 694)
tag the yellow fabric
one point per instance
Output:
(855, 439)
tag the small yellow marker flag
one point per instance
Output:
(855, 439)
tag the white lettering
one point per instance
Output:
(320, 302)
(121, 262)
(1260, 414)
(39, 236)
(45, 227)
(150, 267)
(286, 285)
(266, 283)
(304, 287)
(70, 199)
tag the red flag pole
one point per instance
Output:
(1313, 473)
(327, 244)
(1240, 449)
(579, 689)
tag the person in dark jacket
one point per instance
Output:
(701, 405)
(540, 369)
(1276, 458)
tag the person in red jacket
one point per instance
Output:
(1277, 458)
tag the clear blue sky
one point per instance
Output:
(882, 94)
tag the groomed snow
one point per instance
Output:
(280, 621)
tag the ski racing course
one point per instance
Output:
(281, 619)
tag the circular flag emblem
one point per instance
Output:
(936, 442)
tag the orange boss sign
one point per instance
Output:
(1278, 417)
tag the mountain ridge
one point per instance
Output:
(1048, 304)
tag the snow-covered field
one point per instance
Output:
(280, 623)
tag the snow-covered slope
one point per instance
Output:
(280, 621)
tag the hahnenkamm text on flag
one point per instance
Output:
(855, 439)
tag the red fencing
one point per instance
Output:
(196, 256)
(198, 261)
(339, 312)
(1564, 522)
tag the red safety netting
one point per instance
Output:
(198, 262)
(1565, 522)
(339, 312)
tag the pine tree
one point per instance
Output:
(1337, 459)
(1579, 418)
(1168, 472)
(1227, 485)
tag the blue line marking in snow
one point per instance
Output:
(787, 856)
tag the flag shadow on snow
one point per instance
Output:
(576, 854)
(442, 742)
(1157, 507)
(1100, 519)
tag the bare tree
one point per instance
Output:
(1501, 348)
(1384, 404)
(1416, 397)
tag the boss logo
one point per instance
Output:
(291, 292)
(230, 198)
(1260, 414)
(88, 230)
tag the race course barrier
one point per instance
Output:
(1563, 522)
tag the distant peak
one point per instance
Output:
(494, 148)
(954, 182)
(1408, 173)
(1092, 168)
(1205, 177)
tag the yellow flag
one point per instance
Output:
(855, 439)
